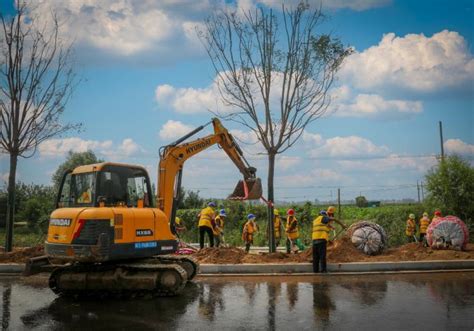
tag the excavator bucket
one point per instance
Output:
(248, 189)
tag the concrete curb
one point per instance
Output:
(305, 268)
(335, 267)
(12, 268)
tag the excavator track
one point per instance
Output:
(118, 280)
(188, 263)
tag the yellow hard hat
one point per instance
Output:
(411, 216)
(276, 212)
(425, 214)
(331, 210)
(177, 220)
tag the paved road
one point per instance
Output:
(443, 301)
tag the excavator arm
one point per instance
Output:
(173, 156)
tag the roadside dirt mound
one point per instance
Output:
(277, 257)
(416, 252)
(340, 251)
(221, 255)
(343, 250)
(21, 255)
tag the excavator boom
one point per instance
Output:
(173, 156)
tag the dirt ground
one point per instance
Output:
(20, 255)
(340, 251)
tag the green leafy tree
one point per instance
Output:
(450, 187)
(361, 202)
(193, 200)
(73, 160)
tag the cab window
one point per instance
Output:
(77, 190)
(122, 186)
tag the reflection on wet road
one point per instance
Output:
(389, 302)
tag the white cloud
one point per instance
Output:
(189, 100)
(390, 163)
(4, 177)
(457, 146)
(174, 129)
(60, 147)
(312, 138)
(350, 146)
(125, 28)
(372, 106)
(315, 176)
(414, 61)
(357, 5)
(284, 162)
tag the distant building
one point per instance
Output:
(373, 204)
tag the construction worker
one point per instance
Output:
(292, 233)
(277, 227)
(250, 228)
(330, 213)
(218, 228)
(206, 218)
(179, 225)
(410, 228)
(320, 236)
(437, 214)
(424, 222)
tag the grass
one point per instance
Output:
(23, 237)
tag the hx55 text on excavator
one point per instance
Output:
(112, 236)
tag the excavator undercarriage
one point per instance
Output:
(156, 276)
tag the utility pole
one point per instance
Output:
(422, 193)
(441, 139)
(339, 204)
(418, 189)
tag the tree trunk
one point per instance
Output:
(271, 174)
(11, 203)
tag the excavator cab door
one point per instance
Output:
(248, 189)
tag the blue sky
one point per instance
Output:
(138, 61)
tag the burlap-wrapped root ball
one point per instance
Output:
(368, 237)
(447, 232)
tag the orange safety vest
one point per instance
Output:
(292, 234)
(410, 229)
(277, 227)
(424, 222)
(206, 216)
(249, 229)
(219, 225)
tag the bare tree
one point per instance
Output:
(36, 81)
(274, 71)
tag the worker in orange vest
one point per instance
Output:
(292, 233)
(250, 228)
(437, 214)
(277, 227)
(424, 223)
(218, 227)
(410, 228)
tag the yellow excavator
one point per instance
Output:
(108, 233)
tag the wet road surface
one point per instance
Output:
(429, 301)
